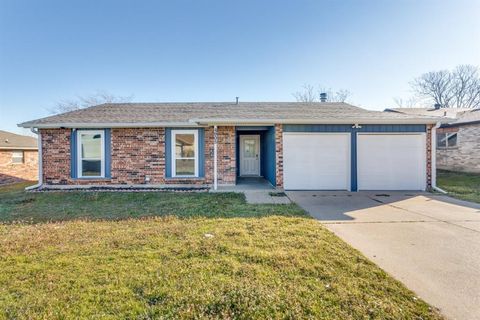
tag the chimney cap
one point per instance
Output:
(323, 97)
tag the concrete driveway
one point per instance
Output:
(429, 242)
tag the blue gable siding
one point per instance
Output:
(393, 128)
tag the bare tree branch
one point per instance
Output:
(459, 88)
(308, 94)
(82, 102)
(405, 103)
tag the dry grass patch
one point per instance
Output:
(269, 267)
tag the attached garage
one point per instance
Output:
(391, 161)
(316, 161)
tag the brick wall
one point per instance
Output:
(16, 172)
(226, 157)
(465, 156)
(137, 153)
(279, 155)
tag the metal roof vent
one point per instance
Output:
(323, 97)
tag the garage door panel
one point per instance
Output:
(391, 162)
(316, 161)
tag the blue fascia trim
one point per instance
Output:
(201, 151)
(349, 128)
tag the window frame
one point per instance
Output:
(79, 154)
(22, 158)
(174, 134)
(446, 136)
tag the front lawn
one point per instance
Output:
(188, 256)
(465, 186)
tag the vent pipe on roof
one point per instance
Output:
(323, 97)
(437, 106)
(236, 100)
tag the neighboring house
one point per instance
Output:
(458, 138)
(295, 146)
(18, 158)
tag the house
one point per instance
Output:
(294, 146)
(18, 158)
(458, 138)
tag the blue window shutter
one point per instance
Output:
(108, 153)
(168, 153)
(201, 153)
(73, 153)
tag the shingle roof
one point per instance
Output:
(442, 112)
(451, 116)
(10, 140)
(151, 114)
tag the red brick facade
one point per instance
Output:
(137, 153)
(15, 172)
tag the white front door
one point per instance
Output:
(250, 155)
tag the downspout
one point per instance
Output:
(40, 156)
(434, 159)
(215, 146)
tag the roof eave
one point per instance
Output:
(80, 125)
(313, 121)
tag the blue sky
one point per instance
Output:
(216, 50)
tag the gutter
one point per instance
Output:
(80, 125)
(227, 121)
(40, 160)
(434, 159)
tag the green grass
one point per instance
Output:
(190, 256)
(465, 186)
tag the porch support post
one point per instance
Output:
(215, 147)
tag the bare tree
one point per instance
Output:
(459, 88)
(309, 94)
(406, 103)
(87, 101)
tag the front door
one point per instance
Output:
(250, 155)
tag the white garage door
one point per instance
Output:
(316, 161)
(391, 161)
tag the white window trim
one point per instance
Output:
(79, 153)
(173, 149)
(23, 157)
(446, 136)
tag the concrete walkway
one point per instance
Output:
(429, 242)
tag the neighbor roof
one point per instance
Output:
(10, 140)
(472, 116)
(451, 116)
(194, 114)
(432, 112)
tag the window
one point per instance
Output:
(185, 153)
(90, 153)
(447, 140)
(17, 157)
